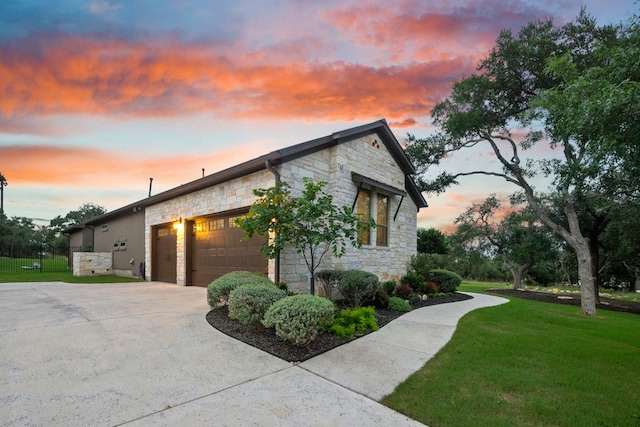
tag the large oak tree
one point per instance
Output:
(533, 81)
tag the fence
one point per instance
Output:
(30, 258)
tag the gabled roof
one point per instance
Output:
(278, 157)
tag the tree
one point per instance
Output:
(3, 183)
(432, 241)
(85, 212)
(310, 223)
(518, 239)
(510, 92)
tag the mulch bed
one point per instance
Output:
(266, 339)
(570, 299)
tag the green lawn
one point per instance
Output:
(65, 276)
(527, 363)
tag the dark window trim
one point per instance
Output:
(378, 186)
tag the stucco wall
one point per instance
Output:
(369, 157)
(234, 194)
(124, 236)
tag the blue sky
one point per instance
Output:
(96, 97)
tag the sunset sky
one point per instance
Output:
(96, 97)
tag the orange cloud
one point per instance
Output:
(96, 168)
(64, 74)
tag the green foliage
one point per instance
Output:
(357, 286)
(310, 223)
(248, 303)
(447, 281)
(414, 299)
(388, 286)
(352, 322)
(398, 304)
(380, 299)
(329, 280)
(432, 241)
(218, 291)
(415, 281)
(300, 318)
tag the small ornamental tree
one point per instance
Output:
(310, 223)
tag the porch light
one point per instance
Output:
(178, 224)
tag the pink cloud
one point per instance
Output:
(72, 75)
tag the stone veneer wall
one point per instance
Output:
(367, 156)
(223, 197)
(92, 263)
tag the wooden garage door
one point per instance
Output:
(217, 248)
(164, 254)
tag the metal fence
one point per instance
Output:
(30, 258)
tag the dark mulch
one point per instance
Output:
(568, 299)
(266, 339)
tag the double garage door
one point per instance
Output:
(217, 248)
(214, 246)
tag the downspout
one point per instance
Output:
(270, 168)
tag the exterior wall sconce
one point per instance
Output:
(178, 224)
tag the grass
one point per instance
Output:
(64, 276)
(528, 363)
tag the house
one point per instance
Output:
(187, 235)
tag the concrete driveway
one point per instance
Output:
(144, 354)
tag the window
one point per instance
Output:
(216, 224)
(363, 212)
(382, 221)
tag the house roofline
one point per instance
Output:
(274, 158)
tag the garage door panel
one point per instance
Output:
(218, 248)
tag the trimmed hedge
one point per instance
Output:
(300, 318)
(398, 304)
(358, 286)
(447, 281)
(248, 303)
(218, 290)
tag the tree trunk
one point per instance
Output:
(517, 272)
(578, 243)
(585, 273)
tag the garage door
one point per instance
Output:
(164, 254)
(217, 248)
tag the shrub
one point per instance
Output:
(300, 318)
(416, 281)
(414, 299)
(357, 286)
(447, 281)
(403, 290)
(379, 300)
(218, 290)
(329, 280)
(248, 303)
(388, 286)
(432, 288)
(398, 304)
(354, 322)
(421, 264)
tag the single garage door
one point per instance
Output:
(217, 248)
(164, 254)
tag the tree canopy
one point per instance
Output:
(544, 82)
(311, 223)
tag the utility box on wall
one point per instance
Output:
(92, 263)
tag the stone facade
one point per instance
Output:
(369, 157)
(226, 196)
(92, 263)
